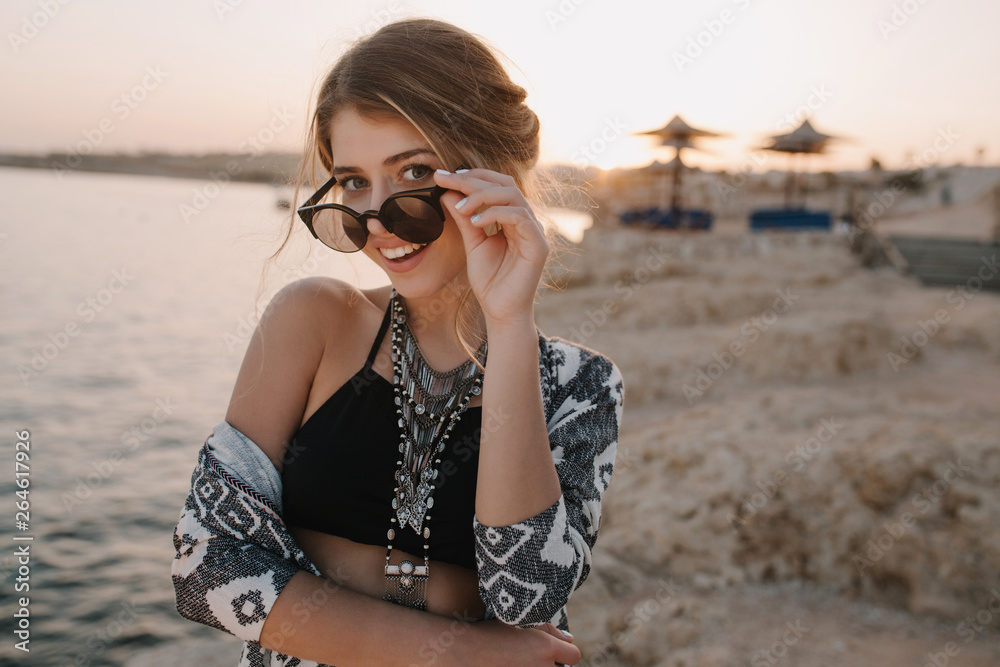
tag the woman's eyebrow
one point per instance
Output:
(389, 161)
(405, 155)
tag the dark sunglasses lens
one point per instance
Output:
(339, 230)
(414, 220)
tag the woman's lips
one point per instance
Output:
(406, 262)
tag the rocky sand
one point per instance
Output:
(809, 468)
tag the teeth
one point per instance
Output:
(394, 253)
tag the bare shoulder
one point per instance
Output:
(285, 351)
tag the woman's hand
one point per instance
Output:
(493, 643)
(504, 269)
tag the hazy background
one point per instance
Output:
(230, 64)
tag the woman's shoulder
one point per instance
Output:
(319, 290)
(328, 303)
(563, 362)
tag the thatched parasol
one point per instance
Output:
(803, 140)
(679, 135)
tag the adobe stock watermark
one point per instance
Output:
(33, 24)
(797, 459)
(99, 641)
(751, 330)
(884, 199)
(302, 610)
(866, 217)
(132, 439)
(225, 7)
(741, 176)
(970, 628)
(927, 329)
(468, 446)
(121, 108)
(639, 615)
(943, 142)
(87, 310)
(253, 146)
(899, 16)
(432, 649)
(246, 325)
(445, 301)
(703, 40)
(379, 18)
(458, 115)
(562, 12)
(653, 260)
(892, 531)
(779, 649)
(814, 102)
(588, 153)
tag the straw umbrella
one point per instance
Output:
(803, 140)
(679, 135)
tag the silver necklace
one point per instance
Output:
(429, 404)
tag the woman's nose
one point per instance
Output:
(375, 226)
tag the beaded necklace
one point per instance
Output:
(429, 405)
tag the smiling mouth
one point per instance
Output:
(402, 251)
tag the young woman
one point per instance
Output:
(335, 507)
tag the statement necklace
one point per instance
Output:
(429, 405)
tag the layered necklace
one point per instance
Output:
(429, 404)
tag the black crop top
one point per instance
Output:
(339, 471)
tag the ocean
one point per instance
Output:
(128, 303)
(125, 320)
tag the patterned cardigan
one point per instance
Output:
(234, 553)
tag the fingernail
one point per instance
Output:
(567, 634)
(460, 204)
(474, 219)
(461, 171)
(442, 171)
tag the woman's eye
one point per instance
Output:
(352, 183)
(417, 172)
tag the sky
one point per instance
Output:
(911, 82)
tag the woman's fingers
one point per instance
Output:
(489, 202)
(487, 188)
(485, 175)
(501, 214)
(490, 195)
(556, 632)
(567, 654)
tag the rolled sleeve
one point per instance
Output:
(232, 558)
(528, 570)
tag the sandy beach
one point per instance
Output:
(809, 467)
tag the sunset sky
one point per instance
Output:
(892, 77)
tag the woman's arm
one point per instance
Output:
(314, 619)
(542, 471)
(238, 569)
(517, 477)
(271, 390)
(529, 566)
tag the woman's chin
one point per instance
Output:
(448, 290)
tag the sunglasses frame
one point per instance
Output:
(430, 196)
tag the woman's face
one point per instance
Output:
(373, 159)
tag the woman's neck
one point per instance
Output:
(431, 318)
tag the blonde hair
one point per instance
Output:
(451, 87)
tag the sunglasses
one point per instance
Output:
(415, 216)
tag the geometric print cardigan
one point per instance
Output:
(234, 553)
